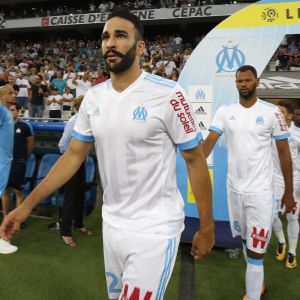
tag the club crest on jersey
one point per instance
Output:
(259, 121)
(140, 114)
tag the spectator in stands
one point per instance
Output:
(59, 82)
(294, 60)
(74, 189)
(69, 76)
(175, 74)
(23, 95)
(67, 99)
(7, 98)
(178, 42)
(3, 79)
(102, 76)
(36, 97)
(23, 146)
(23, 66)
(54, 101)
(282, 59)
(169, 65)
(82, 83)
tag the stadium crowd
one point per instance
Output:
(42, 9)
(37, 69)
(40, 70)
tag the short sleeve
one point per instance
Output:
(217, 124)
(82, 129)
(279, 128)
(180, 121)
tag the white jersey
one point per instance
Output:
(248, 136)
(55, 105)
(294, 146)
(136, 133)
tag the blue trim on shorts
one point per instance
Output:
(167, 269)
(257, 262)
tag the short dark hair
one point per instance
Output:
(129, 16)
(245, 68)
(16, 105)
(289, 107)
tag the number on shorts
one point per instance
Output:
(112, 287)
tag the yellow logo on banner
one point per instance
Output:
(271, 14)
(190, 195)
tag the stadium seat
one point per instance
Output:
(29, 174)
(91, 188)
(46, 163)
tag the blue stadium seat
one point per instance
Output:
(91, 188)
(29, 174)
(46, 163)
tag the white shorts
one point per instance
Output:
(278, 193)
(251, 218)
(137, 266)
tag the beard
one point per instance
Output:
(126, 62)
(249, 94)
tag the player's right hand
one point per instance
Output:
(288, 202)
(11, 223)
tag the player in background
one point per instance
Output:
(249, 126)
(292, 217)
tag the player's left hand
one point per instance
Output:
(288, 202)
(203, 243)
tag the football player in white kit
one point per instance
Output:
(249, 126)
(293, 224)
(137, 122)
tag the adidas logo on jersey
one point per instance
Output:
(200, 111)
(232, 118)
(202, 126)
(96, 112)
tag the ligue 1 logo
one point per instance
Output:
(269, 14)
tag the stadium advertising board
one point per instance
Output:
(144, 15)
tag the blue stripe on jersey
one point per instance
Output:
(192, 143)
(257, 262)
(282, 137)
(216, 129)
(160, 80)
(82, 138)
(167, 268)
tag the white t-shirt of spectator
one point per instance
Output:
(69, 97)
(23, 85)
(70, 80)
(82, 87)
(55, 105)
(169, 67)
